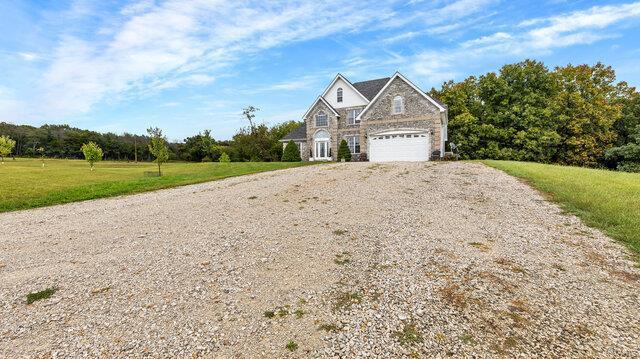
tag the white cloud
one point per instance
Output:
(577, 27)
(159, 46)
(28, 56)
(498, 37)
(533, 37)
(401, 37)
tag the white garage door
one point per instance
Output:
(399, 147)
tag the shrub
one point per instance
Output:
(344, 152)
(206, 159)
(92, 153)
(291, 153)
(224, 158)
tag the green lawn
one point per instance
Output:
(24, 183)
(607, 200)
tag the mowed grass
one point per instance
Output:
(607, 200)
(24, 183)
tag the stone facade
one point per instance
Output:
(418, 114)
(332, 128)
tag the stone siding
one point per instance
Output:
(418, 114)
(332, 128)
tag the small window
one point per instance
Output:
(339, 95)
(321, 119)
(352, 116)
(398, 106)
(354, 144)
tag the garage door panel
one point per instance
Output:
(399, 148)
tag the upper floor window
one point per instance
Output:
(339, 95)
(398, 105)
(321, 119)
(352, 116)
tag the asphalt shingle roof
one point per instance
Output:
(370, 89)
(299, 133)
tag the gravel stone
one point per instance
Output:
(436, 259)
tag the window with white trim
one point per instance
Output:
(354, 144)
(339, 95)
(398, 105)
(321, 119)
(352, 116)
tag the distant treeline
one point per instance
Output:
(574, 115)
(254, 143)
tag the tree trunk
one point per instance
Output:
(159, 173)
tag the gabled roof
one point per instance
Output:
(299, 133)
(370, 88)
(320, 98)
(339, 76)
(438, 104)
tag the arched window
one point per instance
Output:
(398, 106)
(321, 119)
(339, 94)
(321, 135)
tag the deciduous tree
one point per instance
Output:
(92, 153)
(6, 146)
(158, 147)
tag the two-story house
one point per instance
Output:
(388, 119)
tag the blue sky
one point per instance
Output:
(189, 65)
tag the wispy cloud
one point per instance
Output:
(158, 46)
(532, 37)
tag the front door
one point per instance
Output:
(322, 150)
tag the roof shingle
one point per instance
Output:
(370, 89)
(300, 133)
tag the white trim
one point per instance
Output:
(347, 137)
(319, 98)
(393, 105)
(339, 76)
(399, 75)
(398, 131)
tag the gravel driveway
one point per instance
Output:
(348, 260)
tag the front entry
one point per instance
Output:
(322, 150)
(321, 146)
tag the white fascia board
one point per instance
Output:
(339, 76)
(320, 98)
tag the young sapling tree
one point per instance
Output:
(158, 147)
(92, 153)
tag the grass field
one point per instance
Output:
(607, 200)
(24, 183)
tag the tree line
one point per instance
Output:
(573, 115)
(257, 142)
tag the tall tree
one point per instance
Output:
(585, 109)
(250, 113)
